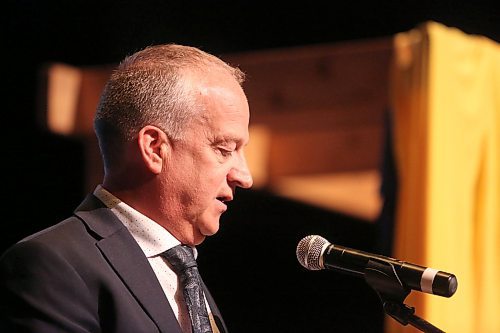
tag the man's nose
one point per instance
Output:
(240, 174)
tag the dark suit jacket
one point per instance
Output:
(85, 274)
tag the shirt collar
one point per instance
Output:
(151, 237)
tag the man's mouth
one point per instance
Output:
(224, 198)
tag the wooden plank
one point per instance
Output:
(353, 149)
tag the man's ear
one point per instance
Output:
(152, 142)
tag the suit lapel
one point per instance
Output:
(129, 262)
(215, 311)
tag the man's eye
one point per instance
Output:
(225, 152)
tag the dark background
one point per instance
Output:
(43, 173)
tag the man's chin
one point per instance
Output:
(209, 232)
(210, 228)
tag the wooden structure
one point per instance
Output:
(317, 119)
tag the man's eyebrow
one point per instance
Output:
(228, 139)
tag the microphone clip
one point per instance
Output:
(382, 277)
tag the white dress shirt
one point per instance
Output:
(153, 239)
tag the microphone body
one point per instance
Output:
(315, 253)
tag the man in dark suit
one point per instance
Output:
(172, 124)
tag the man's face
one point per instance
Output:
(206, 166)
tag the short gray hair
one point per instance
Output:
(149, 88)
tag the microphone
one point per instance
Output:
(316, 253)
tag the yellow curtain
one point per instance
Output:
(446, 101)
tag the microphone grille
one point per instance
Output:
(310, 251)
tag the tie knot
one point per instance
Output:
(180, 257)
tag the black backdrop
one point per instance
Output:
(252, 271)
(43, 173)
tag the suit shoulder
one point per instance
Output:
(61, 236)
(70, 227)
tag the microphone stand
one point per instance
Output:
(383, 278)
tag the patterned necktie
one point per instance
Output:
(182, 261)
